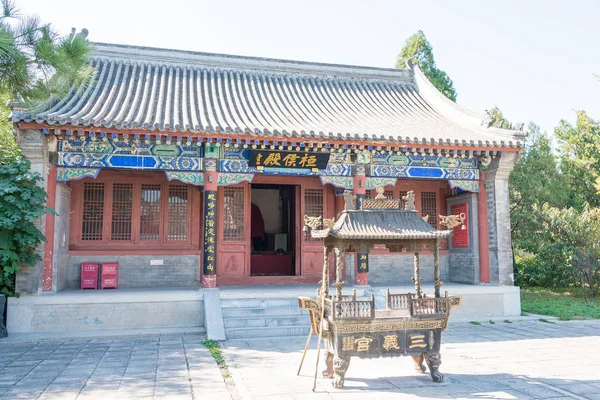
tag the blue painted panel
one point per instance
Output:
(425, 172)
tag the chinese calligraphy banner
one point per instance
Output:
(210, 232)
(288, 159)
(363, 262)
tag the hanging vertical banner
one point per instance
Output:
(363, 262)
(461, 232)
(210, 232)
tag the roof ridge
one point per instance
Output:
(153, 55)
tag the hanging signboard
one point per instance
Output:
(288, 159)
(461, 232)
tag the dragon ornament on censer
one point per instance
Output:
(409, 324)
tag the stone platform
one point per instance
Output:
(111, 310)
(260, 310)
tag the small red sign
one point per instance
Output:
(461, 232)
(89, 276)
(110, 276)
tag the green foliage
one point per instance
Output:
(7, 140)
(541, 269)
(499, 120)
(537, 180)
(580, 148)
(576, 236)
(21, 204)
(35, 63)
(215, 351)
(564, 304)
(419, 51)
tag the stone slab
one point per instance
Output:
(215, 329)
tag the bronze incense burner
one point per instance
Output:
(410, 324)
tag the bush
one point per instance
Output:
(21, 204)
(535, 271)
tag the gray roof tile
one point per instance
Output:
(381, 224)
(174, 91)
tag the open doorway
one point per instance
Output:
(273, 227)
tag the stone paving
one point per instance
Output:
(518, 360)
(159, 367)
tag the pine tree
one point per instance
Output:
(35, 62)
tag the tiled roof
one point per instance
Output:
(381, 224)
(185, 92)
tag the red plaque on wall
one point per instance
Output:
(461, 232)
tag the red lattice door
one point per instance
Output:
(233, 259)
(314, 203)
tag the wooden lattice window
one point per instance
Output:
(122, 206)
(389, 194)
(92, 220)
(178, 212)
(313, 207)
(429, 207)
(233, 210)
(150, 212)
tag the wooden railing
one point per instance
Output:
(428, 306)
(349, 297)
(353, 309)
(397, 301)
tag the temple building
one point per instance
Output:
(196, 170)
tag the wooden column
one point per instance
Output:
(49, 230)
(209, 265)
(360, 189)
(482, 216)
(436, 268)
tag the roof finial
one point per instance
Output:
(410, 201)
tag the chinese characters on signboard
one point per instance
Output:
(387, 343)
(210, 232)
(363, 262)
(461, 232)
(288, 159)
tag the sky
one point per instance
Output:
(535, 59)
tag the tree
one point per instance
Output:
(580, 149)
(419, 51)
(7, 140)
(35, 66)
(35, 63)
(576, 235)
(535, 181)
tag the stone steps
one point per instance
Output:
(239, 312)
(264, 318)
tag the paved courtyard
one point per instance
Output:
(161, 367)
(519, 360)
